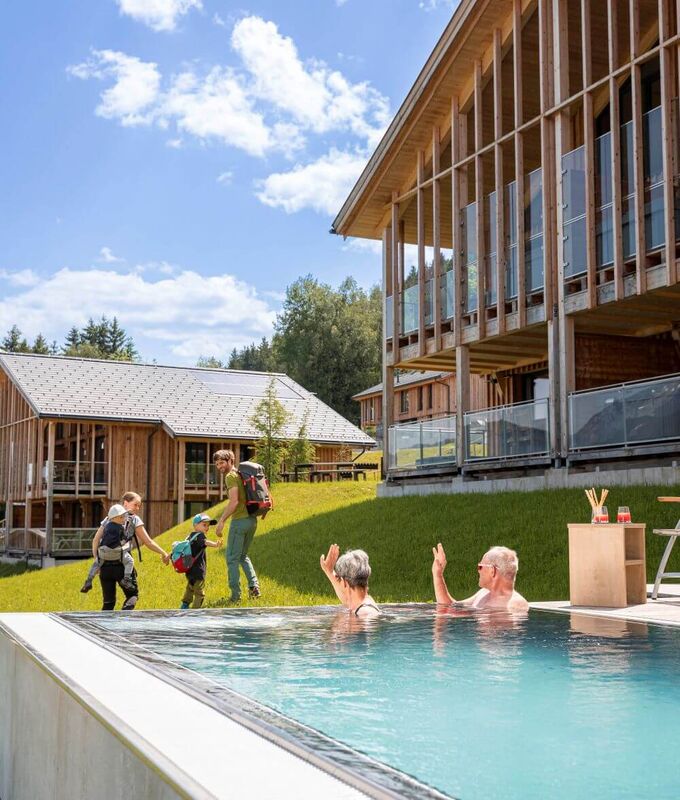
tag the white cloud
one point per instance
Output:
(106, 256)
(135, 89)
(217, 20)
(433, 5)
(162, 310)
(322, 185)
(21, 277)
(159, 15)
(363, 246)
(225, 178)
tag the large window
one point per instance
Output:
(403, 401)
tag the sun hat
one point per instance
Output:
(116, 510)
(204, 518)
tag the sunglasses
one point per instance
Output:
(481, 566)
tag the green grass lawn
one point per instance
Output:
(397, 534)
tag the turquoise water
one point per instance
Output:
(477, 705)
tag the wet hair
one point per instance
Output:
(505, 561)
(128, 497)
(224, 455)
(353, 566)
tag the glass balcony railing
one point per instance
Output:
(469, 264)
(67, 474)
(429, 302)
(389, 317)
(72, 540)
(511, 241)
(491, 260)
(409, 310)
(448, 295)
(533, 231)
(604, 209)
(200, 474)
(626, 414)
(513, 431)
(419, 445)
(574, 249)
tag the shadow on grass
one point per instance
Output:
(10, 570)
(398, 534)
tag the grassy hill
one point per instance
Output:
(397, 534)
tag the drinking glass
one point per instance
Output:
(604, 515)
(623, 514)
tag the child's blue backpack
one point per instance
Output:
(180, 555)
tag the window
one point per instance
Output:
(403, 402)
(371, 409)
(429, 396)
(420, 398)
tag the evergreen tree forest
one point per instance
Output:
(328, 340)
(102, 339)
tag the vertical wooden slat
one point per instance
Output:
(479, 207)
(517, 59)
(181, 461)
(49, 512)
(455, 221)
(436, 241)
(93, 429)
(586, 44)
(396, 285)
(498, 178)
(589, 151)
(519, 159)
(615, 124)
(462, 399)
(639, 180)
(666, 65)
(549, 231)
(420, 170)
(387, 371)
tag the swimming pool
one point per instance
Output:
(469, 704)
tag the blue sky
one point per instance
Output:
(177, 163)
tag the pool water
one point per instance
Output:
(475, 704)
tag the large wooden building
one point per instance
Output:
(527, 198)
(75, 434)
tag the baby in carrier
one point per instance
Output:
(113, 546)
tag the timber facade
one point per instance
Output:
(74, 438)
(527, 197)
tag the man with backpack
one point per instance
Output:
(243, 507)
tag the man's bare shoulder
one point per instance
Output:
(517, 603)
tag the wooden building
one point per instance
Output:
(527, 198)
(75, 434)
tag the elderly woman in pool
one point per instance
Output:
(349, 576)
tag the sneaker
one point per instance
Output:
(130, 603)
(127, 583)
(184, 605)
(254, 591)
(86, 587)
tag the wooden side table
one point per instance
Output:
(607, 565)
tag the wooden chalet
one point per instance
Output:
(527, 198)
(75, 434)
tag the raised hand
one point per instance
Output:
(439, 559)
(327, 563)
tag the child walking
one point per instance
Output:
(113, 547)
(195, 591)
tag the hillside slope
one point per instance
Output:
(397, 534)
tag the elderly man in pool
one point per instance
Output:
(497, 571)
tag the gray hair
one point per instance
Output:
(505, 560)
(353, 566)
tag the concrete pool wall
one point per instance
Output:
(77, 721)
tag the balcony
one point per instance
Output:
(508, 432)
(199, 476)
(418, 445)
(71, 477)
(625, 415)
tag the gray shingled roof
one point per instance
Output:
(187, 401)
(405, 379)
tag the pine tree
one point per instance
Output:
(40, 345)
(116, 338)
(269, 420)
(72, 340)
(209, 362)
(300, 449)
(14, 342)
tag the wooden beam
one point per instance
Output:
(586, 44)
(617, 200)
(498, 179)
(519, 202)
(49, 511)
(396, 286)
(517, 60)
(479, 205)
(591, 223)
(455, 224)
(181, 480)
(667, 82)
(462, 399)
(547, 201)
(639, 180)
(422, 345)
(436, 241)
(387, 372)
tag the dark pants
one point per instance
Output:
(110, 574)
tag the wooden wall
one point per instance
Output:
(19, 444)
(603, 360)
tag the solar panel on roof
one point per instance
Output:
(242, 385)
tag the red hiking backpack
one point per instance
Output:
(258, 497)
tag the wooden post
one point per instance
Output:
(436, 242)
(396, 282)
(49, 510)
(455, 222)
(589, 150)
(77, 475)
(567, 377)
(639, 180)
(462, 400)
(479, 205)
(498, 179)
(519, 160)
(388, 372)
(388, 414)
(421, 252)
(615, 125)
(93, 428)
(667, 81)
(547, 150)
(181, 480)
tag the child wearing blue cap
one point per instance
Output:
(195, 591)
